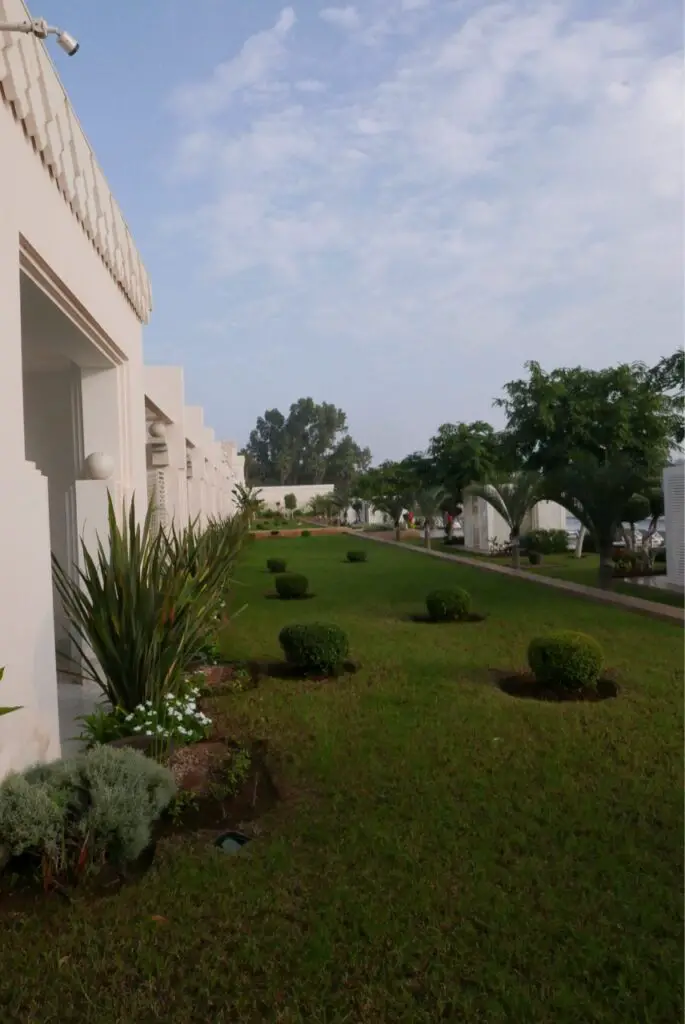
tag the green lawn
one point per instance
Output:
(583, 570)
(445, 852)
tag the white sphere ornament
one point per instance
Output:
(158, 430)
(99, 466)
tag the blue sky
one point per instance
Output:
(390, 206)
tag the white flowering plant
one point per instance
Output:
(175, 718)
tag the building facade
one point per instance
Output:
(484, 527)
(78, 409)
(674, 509)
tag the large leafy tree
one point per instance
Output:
(309, 445)
(599, 493)
(627, 412)
(513, 497)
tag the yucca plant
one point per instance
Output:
(137, 613)
(208, 557)
(7, 711)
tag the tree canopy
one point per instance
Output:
(463, 454)
(311, 445)
(628, 410)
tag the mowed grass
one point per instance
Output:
(446, 852)
(583, 570)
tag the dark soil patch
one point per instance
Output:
(526, 687)
(426, 619)
(217, 805)
(284, 670)
(220, 680)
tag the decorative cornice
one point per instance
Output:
(36, 96)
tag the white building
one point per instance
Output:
(484, 526)
(674, 506)
(74, 394)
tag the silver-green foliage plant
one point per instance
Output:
(79, 812)
(144, 603)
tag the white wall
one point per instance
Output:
(60, 228)
(484, 526)
(674, 506)
(303, 492)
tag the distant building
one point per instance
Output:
(484, 526)
(674, 506)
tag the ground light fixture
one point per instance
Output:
(39, 27)
(231, 842)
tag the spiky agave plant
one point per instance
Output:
(136, 616)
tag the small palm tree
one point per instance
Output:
(247, 500)
(322, 506)
(597, 494)
(513, 498)
(394, 506)
(428, 505)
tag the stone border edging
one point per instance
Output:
(636, 604)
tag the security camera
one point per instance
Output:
(68, 43)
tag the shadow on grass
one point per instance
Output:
(426, 620)
(277, 597)
(283, 670)
(525, 687)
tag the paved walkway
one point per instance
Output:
(637, 604)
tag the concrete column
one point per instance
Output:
(27, 637)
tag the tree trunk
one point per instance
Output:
(579, 542)
(427, 534)
(398, 531)
(516, 552)
(606, 567)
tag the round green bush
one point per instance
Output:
(315, 648)
(535, 557)
(570, 660)
(306, 533)
(291, 585)
(276, 564)
(356, 556)
(275, 533)
(448, 605)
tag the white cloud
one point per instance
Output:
(341, 17)
(253, 67)
(503, 186)
(310, 85)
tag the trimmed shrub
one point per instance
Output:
(567, 659)
(275, 533)
(306, 533)
(315, 648)
(290, 585)
(660, 556)
(356, 556)
(276, 564)
(81, 811)
(545, 542)
(455, 542)
(535, 557)
(448, 605)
